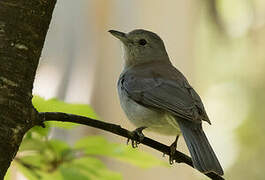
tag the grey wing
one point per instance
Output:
(176, 97)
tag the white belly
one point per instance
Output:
(156, 121)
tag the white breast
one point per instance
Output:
(155, 120)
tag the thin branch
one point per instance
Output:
(118, 130)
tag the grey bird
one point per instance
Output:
(154, 94)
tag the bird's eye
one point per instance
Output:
(142, 42)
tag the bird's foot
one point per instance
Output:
(173, 148)
(137, 134)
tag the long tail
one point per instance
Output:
(202, 154)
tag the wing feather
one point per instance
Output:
(175, 95)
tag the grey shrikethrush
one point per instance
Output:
(154, 94)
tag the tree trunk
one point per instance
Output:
(23, 27)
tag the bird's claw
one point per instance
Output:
(173, 148)
(172, 152)
(137, 134)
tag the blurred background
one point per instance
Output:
(218, 44)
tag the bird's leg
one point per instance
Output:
(173, 148)
(137, 134)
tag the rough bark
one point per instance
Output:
(23, 27)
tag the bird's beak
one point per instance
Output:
(120, 35)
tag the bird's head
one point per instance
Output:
(141, 46)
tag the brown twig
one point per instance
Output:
(118, 130)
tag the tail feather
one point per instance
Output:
(203, 156)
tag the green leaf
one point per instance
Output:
(37, 132)
(40, 130)
(8, 175)
(61, 150)
(54, 105)
(33, 144)
(51, 175)
(42, 153)
(35, 160)
(76, 168)
(87, 168)
(70, 173)
(35, 174)
(95, 145)
(29, 173)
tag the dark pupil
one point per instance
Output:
(142, 42)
